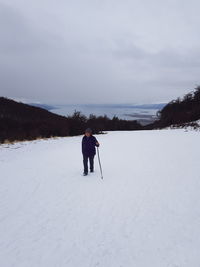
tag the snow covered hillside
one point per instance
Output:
(146, 211)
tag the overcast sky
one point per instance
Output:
(99, 51)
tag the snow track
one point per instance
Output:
(146, 211)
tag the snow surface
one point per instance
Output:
(146, 211)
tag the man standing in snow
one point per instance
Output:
(89, 144)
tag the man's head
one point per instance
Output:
(88, 132)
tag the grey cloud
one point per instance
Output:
(98, 51)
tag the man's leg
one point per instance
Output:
(91, 163)
(85, 164)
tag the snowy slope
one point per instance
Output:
(190, 126)
(146, 211)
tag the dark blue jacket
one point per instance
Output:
(88, 146)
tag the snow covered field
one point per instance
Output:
(146, 211)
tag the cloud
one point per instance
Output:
(98, 51)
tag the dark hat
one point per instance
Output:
(88, 130)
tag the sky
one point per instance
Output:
(99, 51)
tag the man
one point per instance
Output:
(89, 144)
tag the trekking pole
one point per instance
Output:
(99, 163)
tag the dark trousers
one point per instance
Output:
(85, 163)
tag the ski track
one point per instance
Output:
(146, 211)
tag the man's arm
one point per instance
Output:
(96, 143)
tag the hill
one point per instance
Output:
(180, 111)
(20, 121)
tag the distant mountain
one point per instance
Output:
(133, 106)
(44, 106)
(150, 106)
